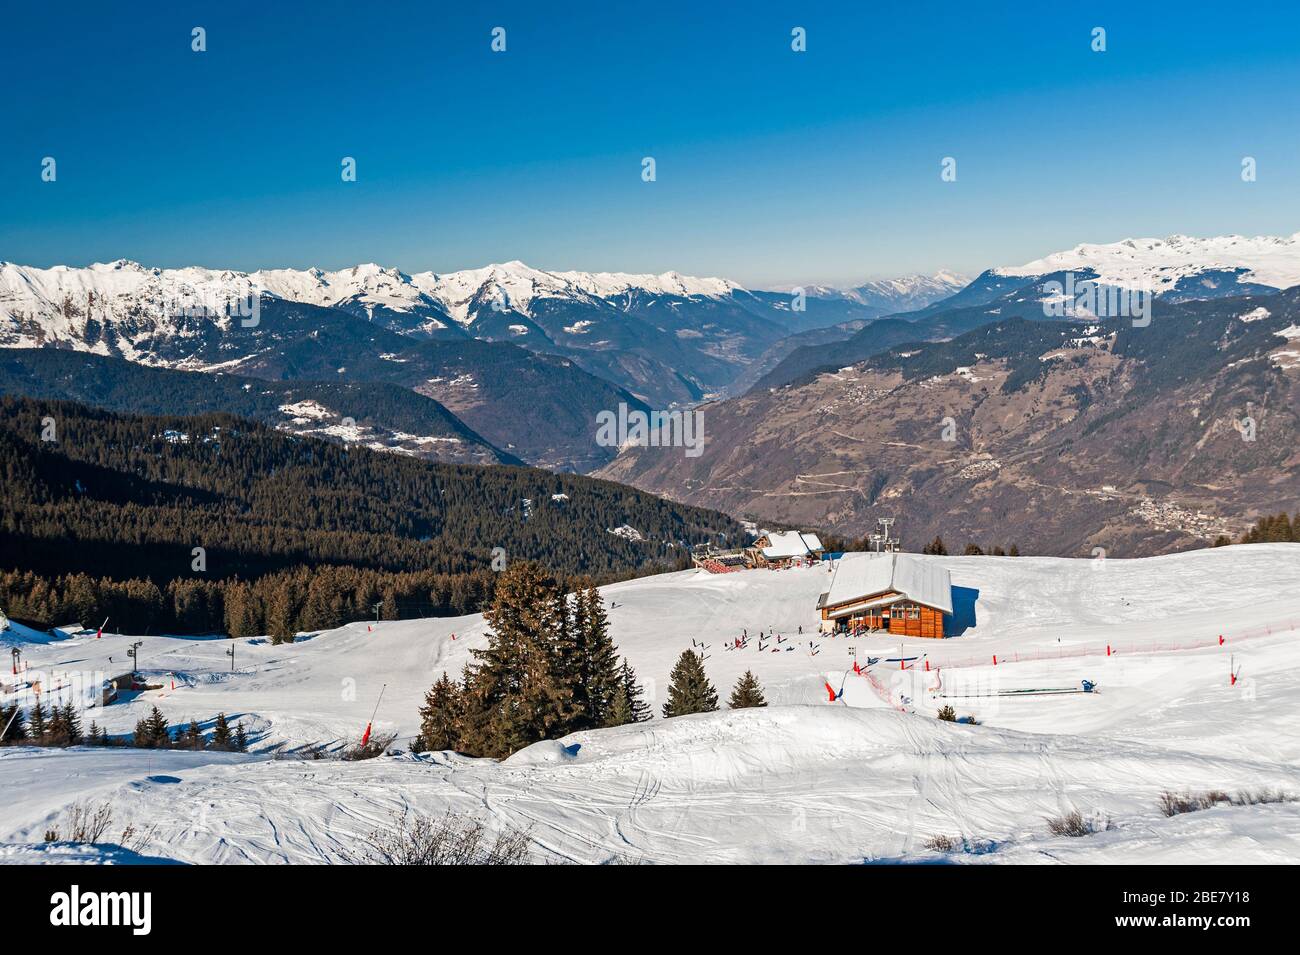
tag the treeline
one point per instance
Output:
(551, 668)
(1279, 528)
(279, 605)
(166, 522)
(938, 547)
(61, 726)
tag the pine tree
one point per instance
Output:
(221, 733)
(37, 728)
(689, 689)
(629, 704)
(241, 738)
(151, 732)
(620, 708)
(935, 547)
(746, 693)
(279, 612)
(92, 734)
(601, 674)
(974, 550)
(71, 724)
(56, 730)
(240, 620)
(515, 695)
(440, 717)
(13, 727)
(1013, 551)
(191, 737)
(571, 663)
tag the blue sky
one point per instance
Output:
(772, 166)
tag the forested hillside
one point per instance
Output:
(382, 415)
(128, 498)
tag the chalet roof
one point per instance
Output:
(864, 575)
(783, 544)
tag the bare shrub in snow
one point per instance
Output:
(450, 840)
(948, 714)
(1261, 797)
(1075, 824)
(1173, 804)
(136, 839)
(377, 745)
(941, 843)
(84, 823)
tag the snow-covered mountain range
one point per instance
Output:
(124, 287)
(901, 294)
(667, 338)
(1178, 262)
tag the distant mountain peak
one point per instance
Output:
(1161, 264)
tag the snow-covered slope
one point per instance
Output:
(1161, 264)
(805, 779)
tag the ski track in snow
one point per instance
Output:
(799, 781)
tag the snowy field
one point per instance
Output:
(869, 777)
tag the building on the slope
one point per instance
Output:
(784, 548)
(887, 592)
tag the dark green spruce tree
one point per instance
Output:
(13, 727)
(601, 673)
(689, 689)
(37, 727)
(440, 717)
(746, 693)
(516, 693)
(221, 734)
(71, 723)
(151, 732)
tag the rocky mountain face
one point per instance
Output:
(1061, 437)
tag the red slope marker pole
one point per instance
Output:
(365, 737)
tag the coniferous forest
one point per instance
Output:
(213, 523)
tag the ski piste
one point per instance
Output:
(1086, 686)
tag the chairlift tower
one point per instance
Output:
(889, 543)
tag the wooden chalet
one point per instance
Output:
(889, 593)
(783, 548)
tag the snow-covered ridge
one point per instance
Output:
(515, 285)
(901, 293)
(117, 287)
(1159, 264)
